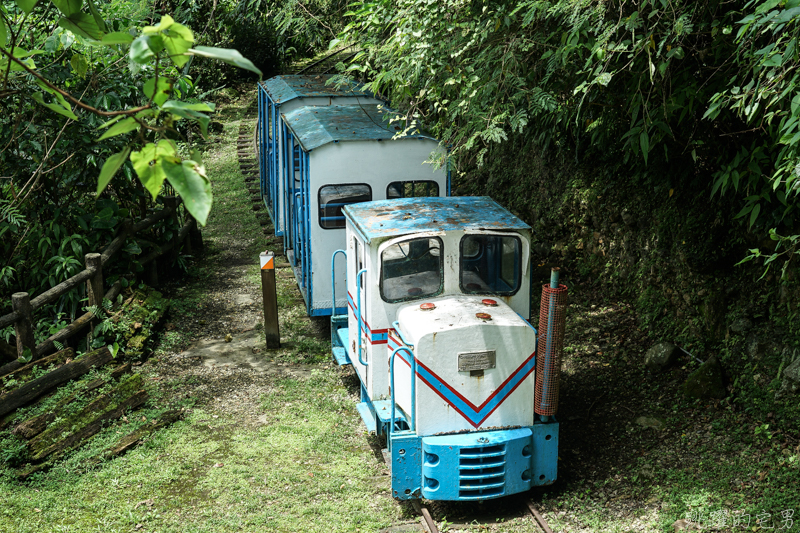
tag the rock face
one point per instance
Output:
(650, 422)
(791, 380)
(706, 382)
(661, 356)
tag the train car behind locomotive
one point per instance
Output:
(437, 289)
(283, 94)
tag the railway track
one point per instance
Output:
(431, 526)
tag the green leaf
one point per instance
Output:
(178, 40)
(110, 167)
(3, 34)
(140, 50)
(148, 164)
(166, 22)
(123, 126)
(795, 104)
(189, 111)
(159, 94)
(68, 7)
(79, 64)
(189, 180)
(63, 109)
(225, 55)
(81, 24)
(97, 17)
(754, 214)
(644, 142)
(117, 37)
(27, 5)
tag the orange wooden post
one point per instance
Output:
(270, 295)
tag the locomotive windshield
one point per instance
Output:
(412, 269)
(490, 264)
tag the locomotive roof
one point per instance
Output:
(315, 126)
(394, 218)
(283, 89)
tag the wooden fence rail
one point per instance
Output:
(23, 306)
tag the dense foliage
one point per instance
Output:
(87, 96)
(702, 94)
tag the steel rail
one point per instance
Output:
(538, 518)
(426, 515)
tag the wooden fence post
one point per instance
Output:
(94, 290)
(151, 273)
(21, 303)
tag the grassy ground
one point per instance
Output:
(285, 450)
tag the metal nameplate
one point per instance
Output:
(469, 361)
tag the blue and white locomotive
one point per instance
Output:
(426, 293)
(437, 291)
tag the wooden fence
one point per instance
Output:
(23, 306)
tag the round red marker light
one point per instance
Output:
(483, 316)
(427, 306)
(489, 302)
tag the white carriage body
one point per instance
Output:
(344, 148)
(284, 94)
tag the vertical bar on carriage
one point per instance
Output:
(276, 188)
(287, 230)
(333, 281)
(307, 223)
(551, 320)
(359, 311)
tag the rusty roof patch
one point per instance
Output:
(394, 218)
(282, 89)
(315, 126)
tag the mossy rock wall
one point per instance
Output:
(656, 238)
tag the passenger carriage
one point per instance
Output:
(437, 289)
(338, 155)
(284, 94)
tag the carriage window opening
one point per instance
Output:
(332, 198)
(490, 264)
(412, 189)
(412, 269)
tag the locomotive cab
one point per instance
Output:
(437, 290)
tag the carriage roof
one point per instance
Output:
(315, 126)
(390, 218)
(283, 89)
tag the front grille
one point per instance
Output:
(482, 472)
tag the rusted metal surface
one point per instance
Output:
(394, 218)
(315, 126)
(283, 89)
(539, 518)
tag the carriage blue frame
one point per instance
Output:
(268, 113)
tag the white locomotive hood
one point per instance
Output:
(475, 363)
(455, 313)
